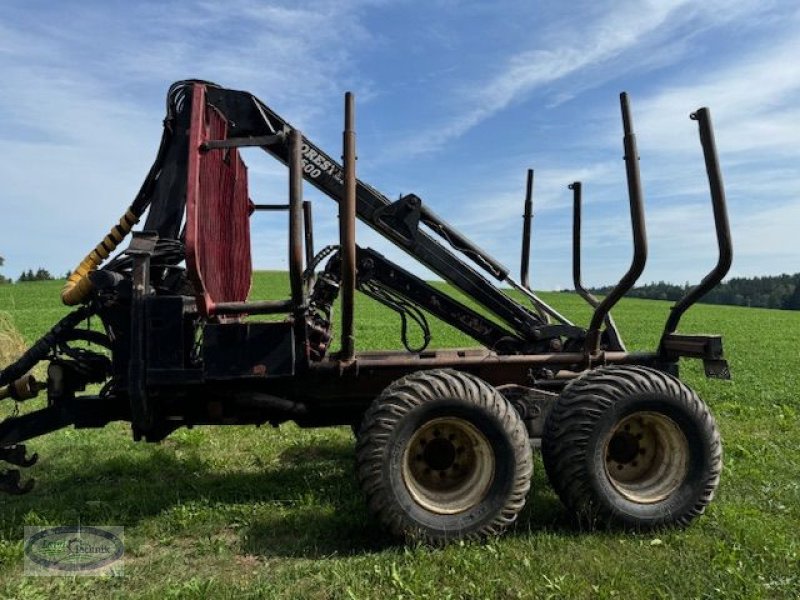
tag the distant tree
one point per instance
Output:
(41, 274)
(793, 301)
(777, 291)
(2, 278)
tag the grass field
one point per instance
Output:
(276, 513)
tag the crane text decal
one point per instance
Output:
(314, 164)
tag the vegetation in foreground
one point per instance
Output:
(276, 513)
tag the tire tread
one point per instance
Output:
(573, 418)
(403, 396)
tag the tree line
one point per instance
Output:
(775, 291)
(39, 275)
(29, 275)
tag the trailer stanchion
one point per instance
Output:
(611, 327)
(296, 217)
(526, 233)
(347, 228)
(723, 228)
(639, 231)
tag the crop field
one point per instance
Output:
(247, 512)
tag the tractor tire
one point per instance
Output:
(632, 446)
(443, 456)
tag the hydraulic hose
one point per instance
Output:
(78, 285)
(42, 348)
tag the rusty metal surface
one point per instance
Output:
(527, 217)
(296, 217)
(637, 224)
(265, 307)
(347, 229)
(721, 224)
(615, 340)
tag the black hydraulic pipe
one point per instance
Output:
(296, 217)
(347, 229)
(526, 233)
(270, 207)
(374, 267)
(721, 223)
(637, 224)
(33, 424)
(577, 202)
(42, 348)
(308, 229)
(461, 243)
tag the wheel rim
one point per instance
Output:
(448, 465)
(646, 457)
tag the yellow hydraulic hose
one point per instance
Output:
(78, 284)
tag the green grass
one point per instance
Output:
(276, 513)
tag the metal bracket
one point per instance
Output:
(141, 250)
(243, 142)
(401, 218)
(717, 369)
(533, 406)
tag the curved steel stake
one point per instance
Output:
(611, 327)
(637, 224)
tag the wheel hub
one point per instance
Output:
(646, 457)
(439, 454)
(448, 465)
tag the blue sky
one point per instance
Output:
(455, 101)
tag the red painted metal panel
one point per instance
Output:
(217, 212)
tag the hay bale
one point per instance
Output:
(12, 345)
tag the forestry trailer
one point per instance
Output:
(444, 436)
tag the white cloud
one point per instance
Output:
(81, 106)
(80, 125)
(623, 37)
